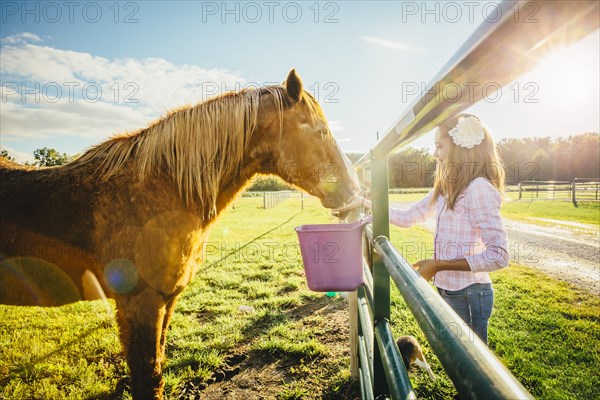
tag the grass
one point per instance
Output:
(545, 331)
(530, 211)
(74, 352)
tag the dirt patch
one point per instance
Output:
(254, 375)
(571, 256)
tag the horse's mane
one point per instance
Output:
(195, 145)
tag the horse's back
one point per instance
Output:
(44, 234)
(34, 199)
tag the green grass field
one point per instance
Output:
(546, 332)
(532, 211)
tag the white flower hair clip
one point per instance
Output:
(469, 132)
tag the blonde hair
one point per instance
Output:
(197, 146)
(462, 165)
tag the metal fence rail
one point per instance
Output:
(472, 367)
(497, 52)
(585, 189)
(410, 190)
(271, 199)
(545, 190)
(576, 191)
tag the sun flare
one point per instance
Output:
(567, 78)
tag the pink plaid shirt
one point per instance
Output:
(473, 230)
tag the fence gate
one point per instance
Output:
(497, 52)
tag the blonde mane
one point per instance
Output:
(196, 146)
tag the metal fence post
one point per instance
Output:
(381, 277)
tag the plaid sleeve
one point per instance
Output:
(418, 212)
(484, 213)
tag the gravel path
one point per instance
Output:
(567, 251)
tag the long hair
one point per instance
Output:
(462, 165)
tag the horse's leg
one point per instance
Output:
(141, 319)
(166, 320)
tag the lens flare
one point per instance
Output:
(120, 275)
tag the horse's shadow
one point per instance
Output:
(24, 369)
(234, 361)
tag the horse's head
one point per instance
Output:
(301, 148)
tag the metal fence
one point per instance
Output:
(271, 199)
(545, 190)
(585, 189)
(409, 190)
(498, 51)
(577, 191)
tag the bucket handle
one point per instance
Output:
(365, 219)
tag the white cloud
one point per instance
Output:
(23, 37)
(335, 126)
(392, 45)
(48, 92)
(80, 119)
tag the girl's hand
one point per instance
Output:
(427, 268)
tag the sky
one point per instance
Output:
(75, 73)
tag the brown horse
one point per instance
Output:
(131, 215)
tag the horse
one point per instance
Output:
(129, 217)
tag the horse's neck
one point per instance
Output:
(231, 187)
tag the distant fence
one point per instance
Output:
(576, 191)
(271, 199)
(409, 190)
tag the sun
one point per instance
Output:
(567, 78)
(566, 75)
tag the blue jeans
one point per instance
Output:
(474, 305)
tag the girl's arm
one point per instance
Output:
(484, 212)
(428, 268)
(416, 213)
(484, 203)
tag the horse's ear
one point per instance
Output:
(293, 85)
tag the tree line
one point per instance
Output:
(44, 157)
(542, 159)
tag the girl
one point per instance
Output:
(470, 240)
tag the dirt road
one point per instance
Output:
(566, 250)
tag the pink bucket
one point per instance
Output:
(332, 255)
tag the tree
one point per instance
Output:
(50, 157)
(411, 167)
(4, 154)
(268, 183)
(544, 159)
